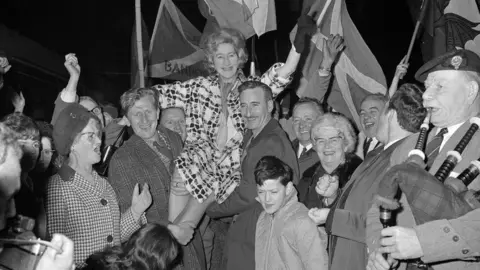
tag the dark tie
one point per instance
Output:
(433, 147)
(366, 145)
(304, 151)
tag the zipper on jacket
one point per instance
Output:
(267, 250)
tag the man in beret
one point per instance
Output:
(452, 84)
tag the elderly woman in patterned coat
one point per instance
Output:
(81, 204)
(209, 166)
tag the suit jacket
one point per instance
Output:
(307, 160)
(405, 217)
(240, 243)
(135, 162)
(346, 223)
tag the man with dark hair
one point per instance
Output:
(345, 221)
(291, 224)
(264, 137)
(370, 109)
(305, 111)
(27, 202)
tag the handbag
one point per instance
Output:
(107, 153)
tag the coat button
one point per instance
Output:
(109, 239)
(455, 238)
(446, 230)
(465, 251)
(103, 202)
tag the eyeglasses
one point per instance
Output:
(97, 110)
(90, 135)
(34, 143)
(334, 141)
(48, 151)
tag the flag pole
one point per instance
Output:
(138, 28)
(421, 16)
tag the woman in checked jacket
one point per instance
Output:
(81, 204)
(209, 166)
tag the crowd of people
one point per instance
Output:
(202, 174)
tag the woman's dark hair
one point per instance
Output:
(151, 247)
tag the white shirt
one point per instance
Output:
(390, 143)
(449, 134)
(301, 147)
(372, 145)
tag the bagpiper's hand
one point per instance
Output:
(71, 63)
(18, 102)
(401, 243)
(141, 201)
(376, 261)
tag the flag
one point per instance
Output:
(135, 75)
(174, 49)
(357, 72)
(449, 25)
(250, 17)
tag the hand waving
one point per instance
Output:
(141, 200)
(331, 48)
(71, 63)
(18, 102)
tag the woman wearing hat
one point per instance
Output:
(81, 204)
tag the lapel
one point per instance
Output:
(147, 156)
(84, 187)
(268, 129)
(371, 158)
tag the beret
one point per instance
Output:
(71, 121)
(461, 60)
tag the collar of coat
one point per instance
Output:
(270, 127)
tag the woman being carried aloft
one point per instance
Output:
(208, 169)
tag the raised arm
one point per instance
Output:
(399, 73)
(69, 93)
(178, 93)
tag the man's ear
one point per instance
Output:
(270, 106)
(472, 94)
(290, 187)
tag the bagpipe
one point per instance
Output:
(431, 197)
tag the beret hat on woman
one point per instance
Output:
(71, 121)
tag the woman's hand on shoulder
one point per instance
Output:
(319, 216)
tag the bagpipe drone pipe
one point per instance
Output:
(432, 197)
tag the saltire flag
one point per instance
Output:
(448, 25)
(135, 75)
(357, 72)
(174, 49)
(250, 17)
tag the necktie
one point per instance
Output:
(366, 145)
(433, 147)
(304, 150)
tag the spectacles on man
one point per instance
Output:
(97, 110)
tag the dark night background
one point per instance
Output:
(99, 32)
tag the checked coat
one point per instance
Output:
(205, 168)
(87, 213)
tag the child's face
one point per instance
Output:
(272, 195)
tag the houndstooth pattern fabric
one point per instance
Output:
(205, 168)
(88, 214)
